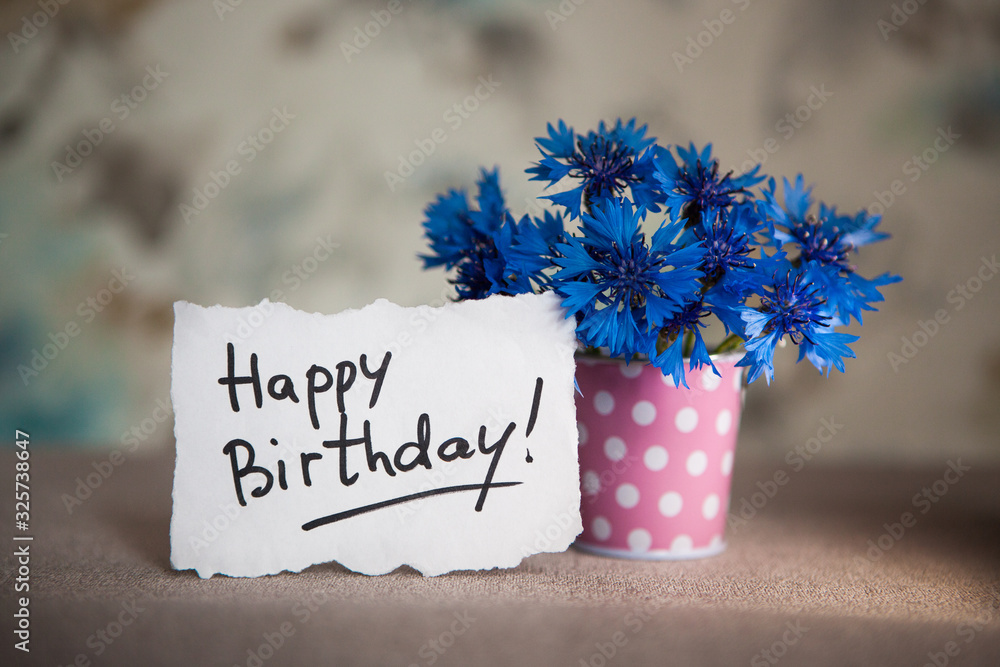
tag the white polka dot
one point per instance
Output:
(716, 542)
(697, 463)
(682, 544)
(738, 380)
(655, 458)
(671, 504)
(601, 528)
(710, 508)
(643, 413)
(640, 540)
(604, 403)
(709, 380)
(614, 448)
(591, 483)
(727, 463)
(627, 495)
(633, 370)
(686, 419)
(723, 422)
(583, 433)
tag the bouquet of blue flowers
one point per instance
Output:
(723, 247)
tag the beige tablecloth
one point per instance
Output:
(800, 584)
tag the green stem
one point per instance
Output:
(729, 344)
(688, 345)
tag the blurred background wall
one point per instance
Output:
(230, 150)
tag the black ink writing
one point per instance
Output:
(355, 451)
(232, 381)
(319, 380)
(347, 514)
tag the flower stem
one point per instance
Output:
(688, 345)
(729, 344)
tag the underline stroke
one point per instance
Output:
(347, 514)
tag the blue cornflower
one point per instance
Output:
(847, 293)
(607, 162)
(448, 228)
(822, 245)
(728, 236)
(622, 287)
(535, 243)
(827, 349)
(727, 299)
(798, 198)
(684, 326)
(860, 230)
(505, 270)
(490, 199)
(695, 186)
(769, 267)
(826, 238)
(475, 242)
(825, 243)
(792, 307)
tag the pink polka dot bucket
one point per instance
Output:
(656, 460)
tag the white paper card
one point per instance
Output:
(442, 438)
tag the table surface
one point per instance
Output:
(800, 584)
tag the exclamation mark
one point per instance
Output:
(534, 415)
